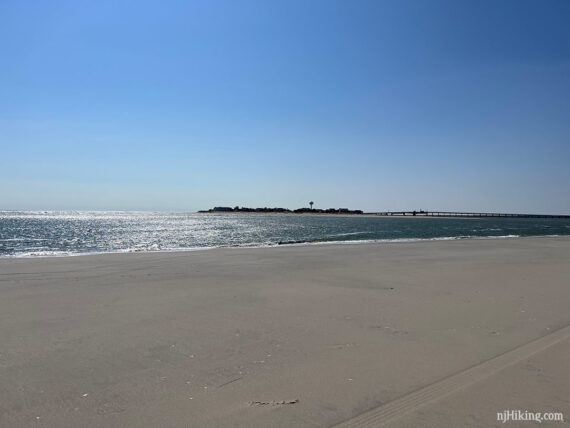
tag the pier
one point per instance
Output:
(422, 213)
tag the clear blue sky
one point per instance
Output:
(165, 105)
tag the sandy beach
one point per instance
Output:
(441, 333)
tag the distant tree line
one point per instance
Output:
(281, 210)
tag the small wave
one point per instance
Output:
(348, 234)
(53, 253)
(395, 240)
(23, 239)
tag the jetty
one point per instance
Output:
(422, 213)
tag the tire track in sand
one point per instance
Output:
(447, 386)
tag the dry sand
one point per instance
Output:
(416, 334)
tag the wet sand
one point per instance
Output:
(290, 336)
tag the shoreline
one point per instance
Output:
(278, 245)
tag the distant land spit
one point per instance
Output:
(281, 210)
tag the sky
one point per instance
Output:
(373, 105)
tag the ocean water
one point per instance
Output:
(29, 234)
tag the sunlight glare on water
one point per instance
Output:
(50, 233)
